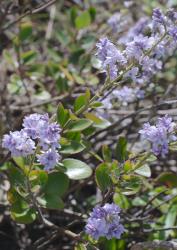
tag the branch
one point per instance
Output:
(35, 105)
(30, 12)
(152, 209)
(159, 229)
(115, 124)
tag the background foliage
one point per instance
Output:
(48, 64)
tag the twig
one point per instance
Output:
(112, 126)
(154, 208)
(35, 105)
(151, 200)
(159, 229)
(30, 12)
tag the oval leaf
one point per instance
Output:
(102, 177)
(72, 148)
(79, 125)
(144, 171)
(76, 170)
(57, 184)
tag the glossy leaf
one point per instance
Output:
(121, 149)
(168, 178)
(121, 200)
(144, 171)
(106, 152)
(72, 147)
(102, 176)
(57, 184)
(22, 213)
(76, 169)
(38, 178)
(80, 102)
(62, 115)
(51, 201)
(79, 125)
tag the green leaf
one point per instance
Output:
(93, 118)
(62, 37)
(131, 184)
(73, 15)
(74, 58)
(103, 179)
(51, 201)
(22, 213)
(144, 171)
(106, 152)
(13, 196)
(73, 136)
(96, 104)
(76, 170)
(128, 166)
(114, 244)
(73, 147)
(25, 31)
(168, 178)
(170, 219)
(79, 125)
(61, 84)
(20, 161)
(29, 56)
(92, 12)
(138, 201)
(102, 124)
(57, 184)
(83, 20)
(38, 178)
(121, 200)
(97, 121)
(62, 115)
(16, 176)
(121, 149)
(80, 102)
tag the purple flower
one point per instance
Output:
(34, 123)
(114, 20)
(107, 102)
(128, 95)
(173, 32)
(125, 94)
(39, 127)
(105, 222)
(167, 123)
(18, 143)
(110, 57)
(172, 15)
(136, 48)
(150, 65)
(159, 135)
(49, 159)
(119, 22)
(158, 17)
(140, 93)
(136, 30)
(49, 137)
(132, 73)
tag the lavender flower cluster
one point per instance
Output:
(38, 134)
(105, 222)
(159, 135)
(144, 53)
(124, 95)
